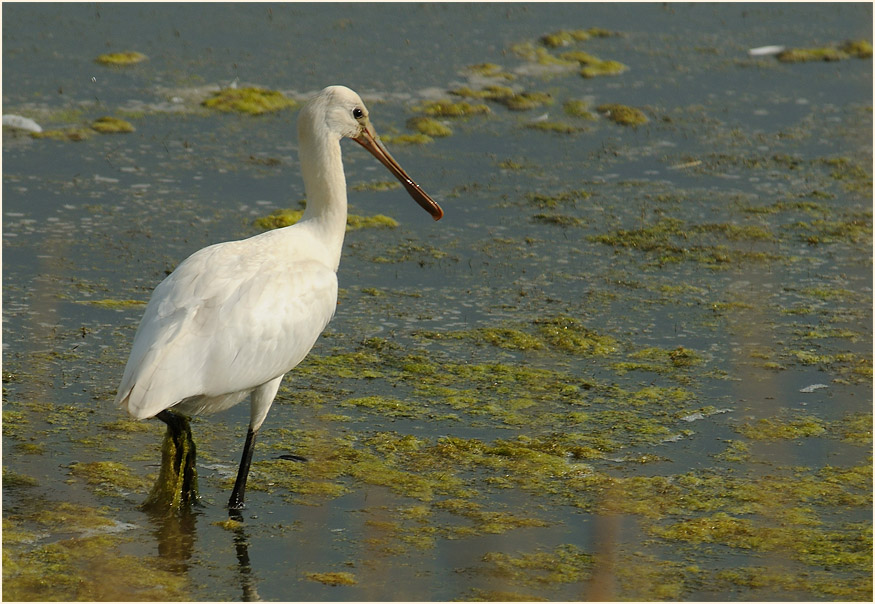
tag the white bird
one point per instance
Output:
(235, 317)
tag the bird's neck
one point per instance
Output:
(325, 186)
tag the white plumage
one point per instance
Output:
(234, 317)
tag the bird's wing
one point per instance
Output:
(225, 321)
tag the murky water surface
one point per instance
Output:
(632, 362)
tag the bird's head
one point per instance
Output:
(342, 114)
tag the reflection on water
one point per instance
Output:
(248, 586)
(175, 534)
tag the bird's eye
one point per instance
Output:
(357, 113)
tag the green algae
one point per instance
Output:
(492, 595)
(515, 101)
(88, 569)
(489, 70)
(591, 65)
(735, 232)
(408, 251)
(510, 164)
(279, 219)
(250, 101)
(856, 428)
(558, 219)
(579, 56)
(379, 185)
(126, 426)
(775, 581)
(377, 221)
(502, 337)
(31, 448)
(491, 92)
(778, 428)
(302, 484)
(564, 37)
(485, 521)
(736, 451)
(396, 538)
(852, 175)
(14, 480)
(385, 406)
(540, 56)
(623, 114)
(643, 578)
(112, 125)
(565, 564)
(333, 578)
(121, 59)
(448, 108)
(569, 197)
(861, 49)
(804, 55)
(176, 488)
(818, 232)
(570, 335)
(603, 68)
(661, 396)
(229, 524)
(671, 240)
(659, 360)
(88, 566)
(554, 126)
(113, 303)
(579, 109)
(525, 101)
(561, 333)
(408, 139)
(428, 126)
(15, 424)
(847, 547)
(73, 133)
(717, 528)
(849, 367)
(109, 477)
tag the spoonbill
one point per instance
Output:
(235, 317)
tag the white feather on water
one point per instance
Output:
(21, 123)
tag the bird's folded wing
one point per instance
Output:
(219, 325)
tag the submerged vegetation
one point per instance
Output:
(112, 125)
(282, 218)
(861, 49)
(623, 114)
(251, 101)
(121, 59)
(453, 109)
(428, 126)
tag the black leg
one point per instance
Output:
(236, 501)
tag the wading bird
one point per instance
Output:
(234, 317)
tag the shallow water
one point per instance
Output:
(596, 378)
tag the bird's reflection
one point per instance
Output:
(176, 535)
(244, 568)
